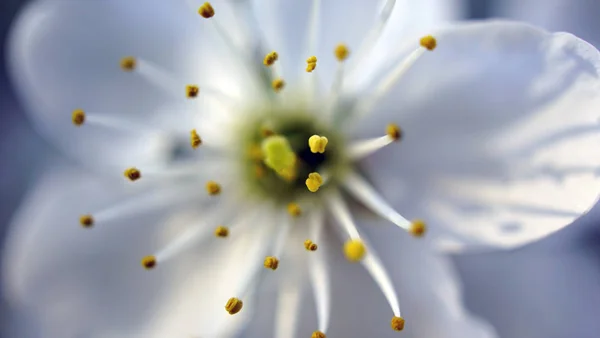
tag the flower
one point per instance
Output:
(229, 157)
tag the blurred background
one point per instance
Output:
(550, 289)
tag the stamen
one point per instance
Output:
(149, 262)
(375, 268)
(191, 91)
(278, 153)
(355, 250)
(319, 275)
(340, 212)
(341, 52)
(318, 334)
(317, 144)
(314, 182)
(213, 188)
(362, 191)
(195, 140)
(364, 148)
(294, 209)
(417, 228)
(206, 10)
(311, 45)
(86, 221)
(311, 64)
(310, 246)
(133, 174)
(384, 86)
(278, 85)
(255, 153)
(271, 262)
(221, 231)
(128, 63)
(288, 305)
(78, 117)
(234, 305)
(397, 323)
(270, 58)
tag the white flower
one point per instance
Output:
(229, 170)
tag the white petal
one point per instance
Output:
(65, 55)
(500, 126)
(578, 17)
(89, 282)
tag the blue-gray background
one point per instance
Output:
(550, 289)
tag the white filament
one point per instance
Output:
(319, 275)
(340, 212)
(373, 265)
(364, 148)
(362, 191)
(288, 306)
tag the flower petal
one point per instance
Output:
(89, 282)
(501, 134)
(426, 283)
(65, 55)
(573, 16)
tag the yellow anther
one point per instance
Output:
(311, 63)
(86, 221)
(259, 170)
(133, 174)
(271, 262)
(309, 245)
(294, 209)
(255, 153)
(317, 144)
(213, 188)
(149, 262)
(270, 58)
(355, 250)
(278, 85)
(128, 63)
(222, 231)
(393, 131)
(234, 305)
(428, 42)
(417, 228)
(397, 323)
(206, 10)
(191, 91)
(195, 139)
(341, 52)
(278, 154)
(318, 334)
(314, 182)
(78, 117)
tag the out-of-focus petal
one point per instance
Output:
(66, 55)
(78, 282)
(500, 134)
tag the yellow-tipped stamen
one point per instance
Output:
(234, 305)
(278, 154)
(149, 262)
(317, 144)
(195, 140)
(318, 334)
(278, 84)
(311, 63)
(271, 262)
(221, 231)
(417, 228)
(294, 209)
(128, 63)
(397, 323)
(213, 188)
(78, 117)
(206, 10)
(192, 91)
(314, 182)
(428, 42)
(393, 131)
(341, 52)
(310, 246)
(86, 221)
(270, 58)
(133, 174)
(255, 153)
(355, 250)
